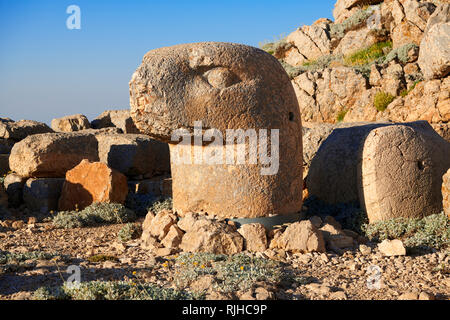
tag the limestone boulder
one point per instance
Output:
(392, 248)
(401, 171)
(440, 15)
(301, 237)
(255, 238)
(404, 33)
(42, 194)
(134, 154)
(51, 155)
(218, 240)
(115, 118)
(446, 193)
(357, 39)
(91, 182)
(223, 86)
(434, 56)
(71, 123)
(173, 237)
(311, 41)
(19, 130)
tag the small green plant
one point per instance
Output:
(278, 44)
(12, 261)
(431, 231)
(382, 100)
(400, 53)
(95, 214)
(341, 115)
(367, 55)
(111, 290)
(128, 232)
(232, 273)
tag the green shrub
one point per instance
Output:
(109, 290)
(128, 232)
(338, 30)
(95, 214)
(400, 53)
(382, 100)
(431, 231)
(279, 44)
(232, 273)
(367, 55)
(162, 204)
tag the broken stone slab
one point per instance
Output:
(446, 193)
(4, 164)
(14, 184)
(217, 239)
(91, 182)
(134, 154)
(21, 129)
(71, 123)
(250, 90)
(42, 194)
(115, 118)
(401, 171)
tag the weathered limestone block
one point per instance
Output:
(52, 154)
(401, 172)
(223, 86)
(71, 123)
(21, 129)
(42, 194)
(300, 237)
(115, 118)
(92, 182)
(446, 193)
(134, 154)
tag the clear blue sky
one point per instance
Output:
(48, 71)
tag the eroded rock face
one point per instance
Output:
(91, 182)
(401, 171)
(344, 8)
(71, 123)
(225, 86)
(434, 57)
(446, 193)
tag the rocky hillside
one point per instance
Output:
(379, 60)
